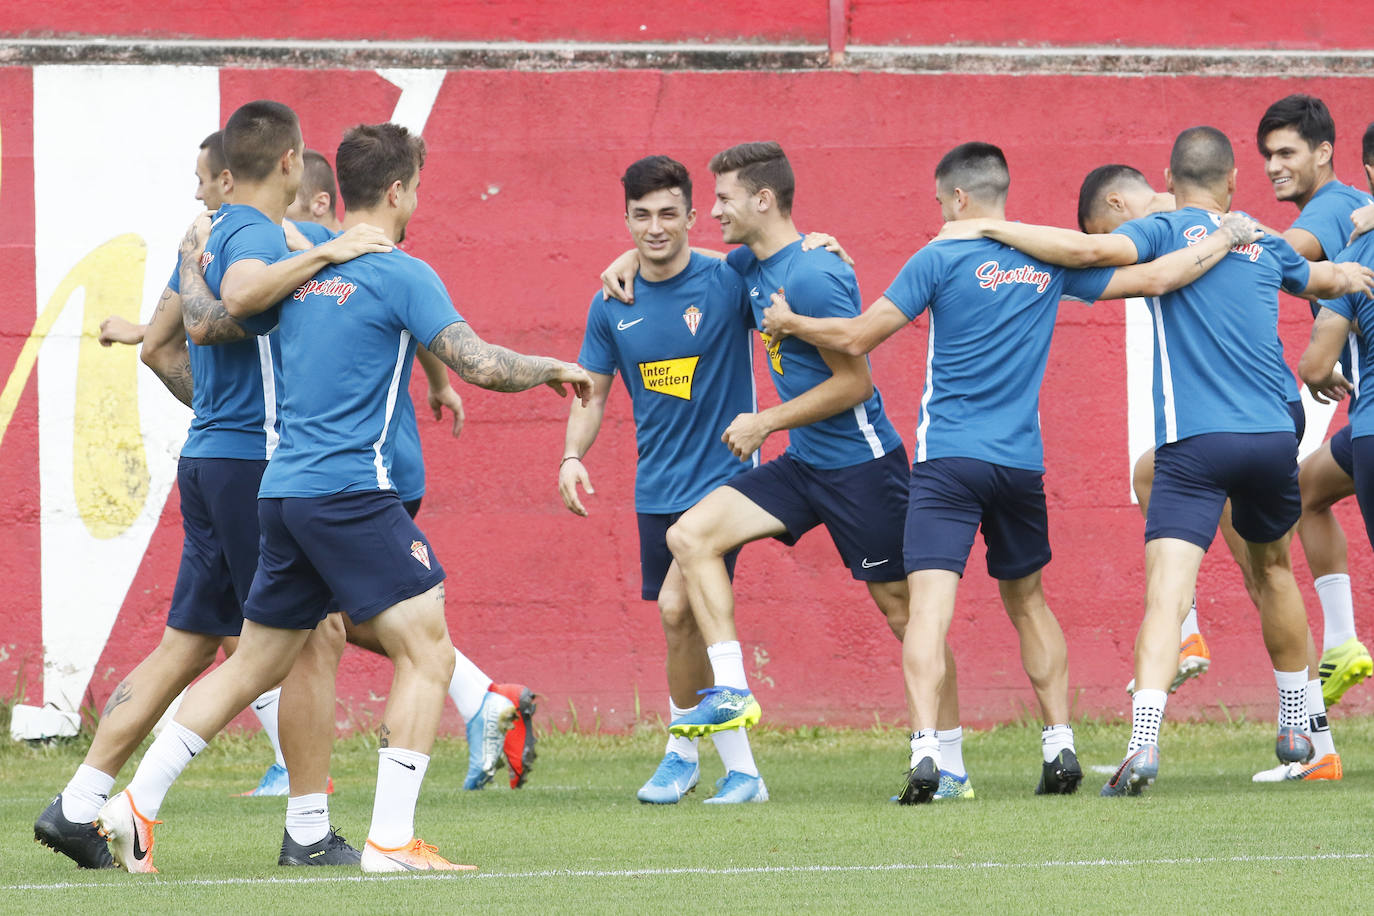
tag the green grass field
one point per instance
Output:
(1204, 839)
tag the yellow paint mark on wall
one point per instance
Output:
(109, 466)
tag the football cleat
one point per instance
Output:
(722, 709)
(274, 782)
(82, 843)
(922, 781)
(332, 850)
(1328, 767)
(951, 786)
(1342, 667)
(519, 741)
(1061, 775)
(417, 855)
(1292, 745)
(486, 735)
(1136, 773)
(129, 834)
(674, 778)
(1194, 659)
(736, 788)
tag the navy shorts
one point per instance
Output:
(952, 497)
(219, 516)
(1299, 414)
(1194, 477)
(862, 506)
(1362, 451)
(655, 557)
(361, 548)
(1343, 451)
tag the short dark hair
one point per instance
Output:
(371, 157)
(979, 168)
(1367, 148)
(656, 173)
(1202, 157)
(1100, 182)
(214, 153)
(1306, 114)
(319, 176)
(256, 135)
(760, 165)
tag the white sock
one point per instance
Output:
(1318, 727)
(1292, 698)
(86, 794)
(1190, 621)
(1338, 609)
(735, 753)
(469, 685)
(399, 774)
(686, 748)
(925, 743)
(1147, 711)
(952, 750)
(266, 708)
(1055, 738)
(168, 755)
(727, 664)
(307, 818)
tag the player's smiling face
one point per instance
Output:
(658, 223)
(1291, 164)
(734, 208)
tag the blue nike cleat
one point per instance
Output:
(723, 709)
(952, 786)
(736, 788)
(486, 738)
(1136, 773)
(674, 778)
(275, 781)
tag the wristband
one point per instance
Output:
(568, 458)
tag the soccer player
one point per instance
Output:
(1295, 136)
(315, 201)
(979, 458)
(1121, 183)
(331, 518)
(684, 358)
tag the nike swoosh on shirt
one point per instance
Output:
(622, 325)
(868, 565)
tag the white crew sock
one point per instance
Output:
(1190, 621)
(1147, 711)
(686, 748)
(1338, 609)
(952, 750)
(727, 664)
(1319, 729)
(469, 685)
(925, 743)
(733, 747)
(168, 755)
(399, 774)
(266, 708)
(307, 818)
(1292, 698)
(1055, 738)
(86, 794)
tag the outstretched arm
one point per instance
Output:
(849, 336)
(1317, 368)
(1181, 267)
(1050, 244)
(1333, 279)
(115, 329)
(584, 422)
(164, 347)
(499, 369)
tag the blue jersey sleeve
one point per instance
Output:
(314, 233)
(1327, 217)
(731, 287)
(257, 241)
(916, 283)
(597, 354)
(426, 308)
(1087, 285)
(1295, 270)
(1147, 234)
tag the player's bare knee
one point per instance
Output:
(685, 540)
(676, 614)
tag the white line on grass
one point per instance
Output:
(672, 872)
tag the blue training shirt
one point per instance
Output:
(353, 328)
(818, 284)
(236, 397)
(1218, 363)
(1327, 215)
(992, 311)
(315, 233)
(1359, 308)
(684, 354)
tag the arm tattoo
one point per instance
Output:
(384, 735)
(205, 316)
(123, 694)
(178, 379)
(488, 365)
